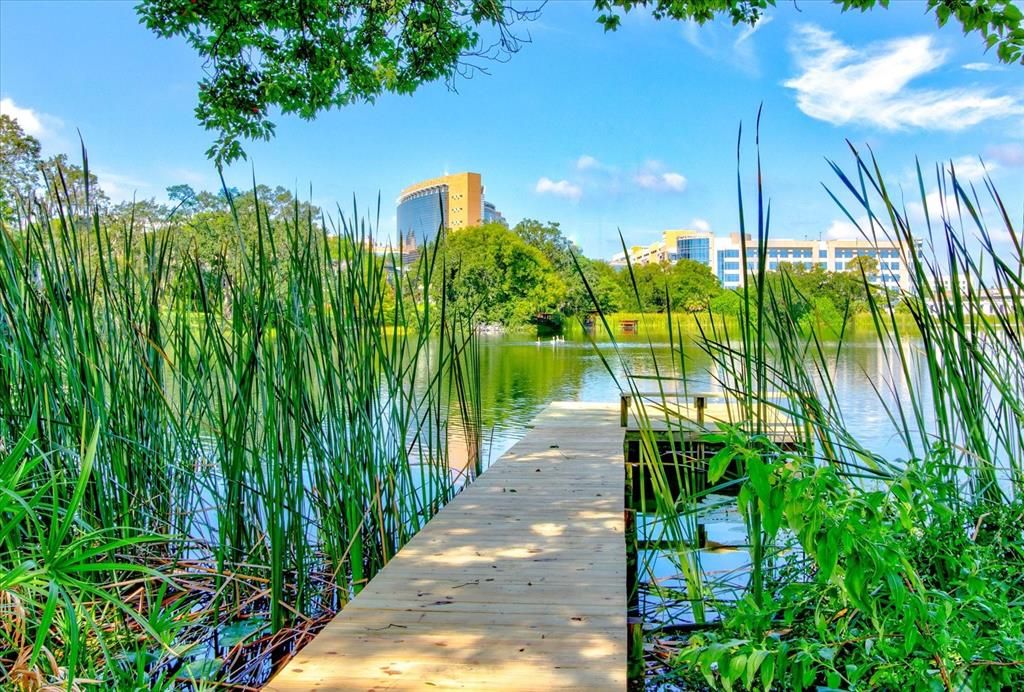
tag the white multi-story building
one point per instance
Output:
(722, 254)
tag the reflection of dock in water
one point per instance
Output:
(518, 583)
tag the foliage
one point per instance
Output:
(549, 239)
(903, 590)
(19, 166)
(999, 22)
(200, 464)
(561, 252)
(685, 285)
(67, 183)
(692, 285)
(858, 570)
(307, 56)
(727, 304)
(605, 283)
(496, 276)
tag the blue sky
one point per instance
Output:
(633, 130)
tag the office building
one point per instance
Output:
(722, 254)
(450, 202)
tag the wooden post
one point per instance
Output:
(632, 548)
(701, 403)
(634, 626)
(634, 653)
(624, 403)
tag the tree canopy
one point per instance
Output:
(496, 276)
(19, 165)
(308, 56)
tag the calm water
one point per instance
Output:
(521, 375)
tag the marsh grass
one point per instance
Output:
(202, 463)
(859, 570)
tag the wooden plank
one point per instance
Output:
(517, 584)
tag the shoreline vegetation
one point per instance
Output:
(201, 462)
(858, 571)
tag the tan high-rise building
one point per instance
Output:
(451, 202)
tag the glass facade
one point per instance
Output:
(696, 249)
(423, 213)
(728, 265)
(492, 215)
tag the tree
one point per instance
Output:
(998, 21)
(646, 287)
(493, 273)
(19, 166)
(727, 303)
(863, 264)
(548, 238)
(61, 177)
(183, 197)
(693, 285)
(603, 281)
(308, 56)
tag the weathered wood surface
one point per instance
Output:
(517, 584)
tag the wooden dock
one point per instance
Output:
(519, 583)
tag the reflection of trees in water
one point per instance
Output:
(519, 377)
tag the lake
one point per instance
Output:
(522, 374)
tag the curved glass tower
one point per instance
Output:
(421, 214)
(451, 202)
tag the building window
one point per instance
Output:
(696, 249)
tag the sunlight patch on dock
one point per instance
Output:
(517, 584)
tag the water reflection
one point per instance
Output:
(521, 376)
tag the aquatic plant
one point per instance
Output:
(862, 569)
(201, 466)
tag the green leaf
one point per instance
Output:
(237, 632)
(202, 669)
(719, 463)
(754, 661)
(768, 671)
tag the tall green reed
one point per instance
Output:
(864, 568)
(266, 435)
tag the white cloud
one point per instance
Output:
(982, 67)
(840, 84)
(844, 229)
(123, 188)
(969, 171)
(653, 176)
(559, 188)
(40, 125)
(674, 181)
(969, 168)
(26, 117)
(700, 225)
(752, 29)
(586, 162)
(714, 40)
